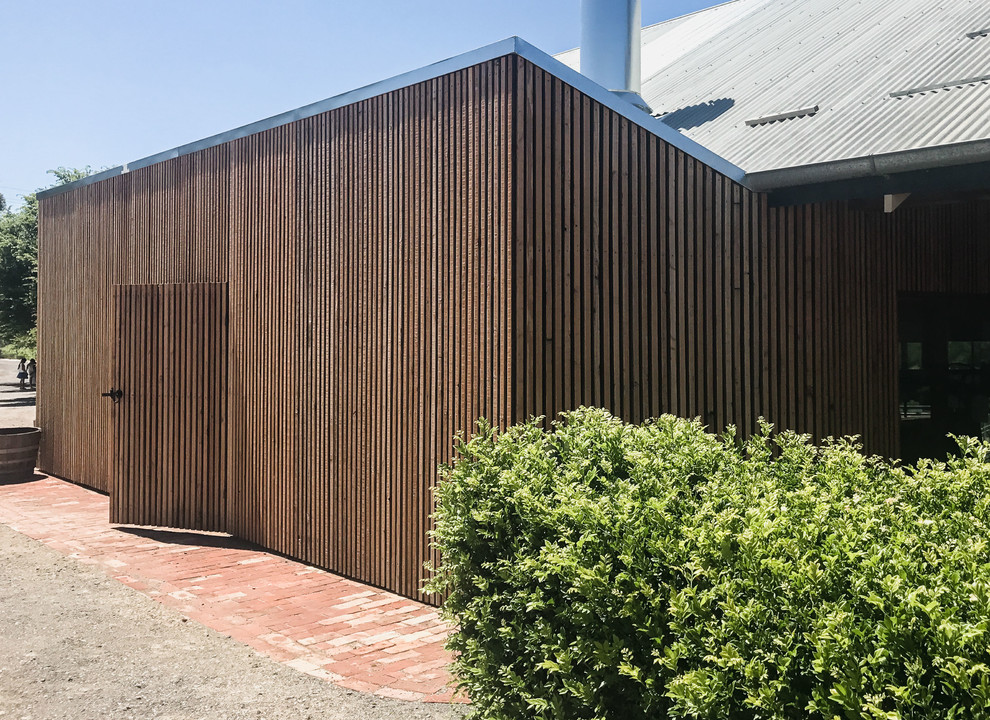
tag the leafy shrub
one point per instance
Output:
(605, 570)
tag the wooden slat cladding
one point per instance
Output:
(82, 241)
(367, 253)
(163, 224)
(647, 283)
(170, 425)
(942, 249)
(491, 242)
(368, 322)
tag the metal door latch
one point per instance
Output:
(115, 394)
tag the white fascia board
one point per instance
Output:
(509, 46)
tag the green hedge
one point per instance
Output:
(606, 570)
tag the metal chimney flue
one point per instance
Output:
(610, 46)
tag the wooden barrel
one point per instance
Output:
(18, 453)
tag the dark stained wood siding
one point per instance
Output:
(647, 283)
(492, 243)
(941, 249)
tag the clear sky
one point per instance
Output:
(104, 82)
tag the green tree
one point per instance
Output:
(64, 175)
(18, 268)
(19, 259)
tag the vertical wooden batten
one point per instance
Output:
(169, 439)
(701, 300)
(491, 242)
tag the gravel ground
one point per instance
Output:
(77, 645)
(16, 406)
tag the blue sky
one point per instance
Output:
(103, 82)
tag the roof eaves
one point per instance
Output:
(904, 161)
(509, 46)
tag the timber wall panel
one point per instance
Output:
(366, 321)
(367, 253)
(491, 242)
(700, 300)
(160, 224)
(941, 249)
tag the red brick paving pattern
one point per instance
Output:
(353, 635)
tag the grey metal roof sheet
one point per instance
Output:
(863, 87)
(710, 72)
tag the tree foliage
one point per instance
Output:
(18, 268)
(603, 570)
(19, 259)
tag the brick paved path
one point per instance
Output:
(354, 635)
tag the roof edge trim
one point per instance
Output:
(967, 153)
(509, 46)
(629, 111)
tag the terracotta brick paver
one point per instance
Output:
(354, 635)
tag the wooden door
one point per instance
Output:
(170, 418)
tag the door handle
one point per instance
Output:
(115, 394)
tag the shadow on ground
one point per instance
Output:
(186, 537)
(25, 396)
(17, 402)
(34, 478)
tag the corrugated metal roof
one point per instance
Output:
(668, 41)
(716, 73)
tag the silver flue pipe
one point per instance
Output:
(610, 46)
